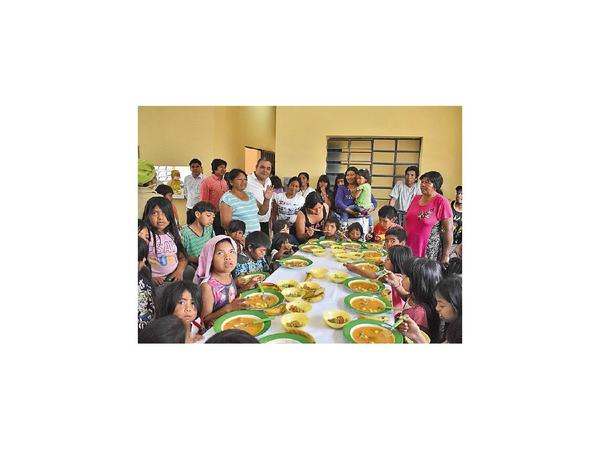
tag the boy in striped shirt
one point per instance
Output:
(195, 235)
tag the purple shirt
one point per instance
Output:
(344, 199)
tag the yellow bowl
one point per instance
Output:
(299, 318)
(425, 336)
(337, 247)
(291, 294)
(338, 277)
(336, 313)
(342, 257)
(354, 255)
(283, 284)
(301, 305)
(318, 272)
(275, 311)
(318, 251)
(309, 288)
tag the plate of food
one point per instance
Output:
(295, 262)
(352, 245)
(368, 304)
(253, 322)
(284, 338)
(365, 331)
(309, 248)
(255, 299)
(327, 242)
(247, 277)
(364, 285)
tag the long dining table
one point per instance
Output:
(333, 299)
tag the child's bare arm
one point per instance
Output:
(362, 272)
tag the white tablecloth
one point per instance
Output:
(334, 299)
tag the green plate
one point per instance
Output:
(387, 303)
(380, 285)
(347, 330)
(252, 274)
(282, 262)
(218, 326)
(279, 295)
(328, 242)
(277, 336)
(303, 246)
(354, 246)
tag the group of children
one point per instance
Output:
(197, 276)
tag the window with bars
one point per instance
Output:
(386, 158)
(163, 175)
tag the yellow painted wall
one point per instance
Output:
(302, 131)
(172, 135)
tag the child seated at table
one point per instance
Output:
(236, 231)
(281, 247)
(387, 219)
(164, 330)
(255, 258)
(281, 226)
(219, 291)
(331, 229)
(354, 232)
(182, 299)
(394, 236)
(419, 282)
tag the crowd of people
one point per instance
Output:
(191, 274)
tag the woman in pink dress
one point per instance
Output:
(428, 222)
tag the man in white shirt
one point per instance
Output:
(191, 188)
(404, 191)
(258, 182)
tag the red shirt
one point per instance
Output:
(379, 232)
(212, 189)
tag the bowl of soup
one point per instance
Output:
(367, 266)
(365, 331)
(368, 304)
(294, 321)
(255, 299)
(248, 321)
(352, 245)
(310, 248)
(284, 338)
(364, 285)
(336, 318)
(354, 256)
(298, 306)
(295, 262)
(259, 275)
(327, 242)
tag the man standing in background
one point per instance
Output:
(404, 191)
(212, 189)
(258, 182)
(191, 188)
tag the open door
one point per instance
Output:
(252, 155)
